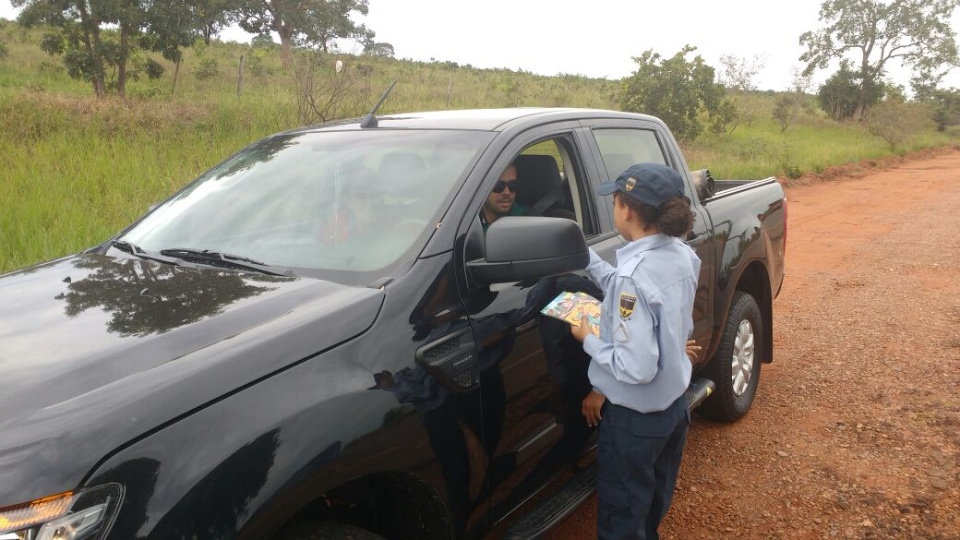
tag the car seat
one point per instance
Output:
(543, 192)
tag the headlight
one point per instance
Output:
(86, 515)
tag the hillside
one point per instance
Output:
(79, 168)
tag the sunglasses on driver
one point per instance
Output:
(514, 185)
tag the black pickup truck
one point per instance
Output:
(317, 339)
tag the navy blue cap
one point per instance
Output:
(650, 183)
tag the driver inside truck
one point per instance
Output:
(502, 200)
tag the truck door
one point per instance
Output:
(532, 372)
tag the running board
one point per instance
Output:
(578, 489)
(555, 509)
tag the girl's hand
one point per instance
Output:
(591, 407)
(581, 332)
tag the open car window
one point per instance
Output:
(554, 184)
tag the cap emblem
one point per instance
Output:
(631, 182)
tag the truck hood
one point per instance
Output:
(96, 351)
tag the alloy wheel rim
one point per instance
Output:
(743, 358)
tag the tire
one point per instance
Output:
(735, 368)
(324, 530)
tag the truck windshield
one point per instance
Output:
(348, 206)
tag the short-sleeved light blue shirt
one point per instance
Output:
(640, 361)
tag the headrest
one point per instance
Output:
(538, 175)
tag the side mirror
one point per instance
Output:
(523, 248)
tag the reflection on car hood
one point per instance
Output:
(93, 347)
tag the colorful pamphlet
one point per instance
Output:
(574, 308)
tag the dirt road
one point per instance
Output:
(855, 432)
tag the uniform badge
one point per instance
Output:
(631, 183)
(626, 305)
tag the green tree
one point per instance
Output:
(845, 93)
(310, 22)
(212, 16)
(75, 35)
(263, 41)
(169, 25)
(675, 90)
(916, 33)
(381, 49)
(945, 106)
(97, 38)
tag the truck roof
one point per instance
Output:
(475, 119)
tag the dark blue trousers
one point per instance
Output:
(638, 457)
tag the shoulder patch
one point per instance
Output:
(627, 301)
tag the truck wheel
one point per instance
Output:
(735, 368)
(324, 530)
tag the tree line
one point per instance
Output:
(862, 37)
(96, 39)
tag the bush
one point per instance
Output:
(148, 93)
(208, 68)
(153, 68)
(3, 51)
(726, 118)
(258, 64)
(321, 97)
(897, 123)
(786, 109)
(793, 172)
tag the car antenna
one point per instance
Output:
(370, 120)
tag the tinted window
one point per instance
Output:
(622, 148)
(350, 205)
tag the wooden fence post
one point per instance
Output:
(449, 90)
(240, 76)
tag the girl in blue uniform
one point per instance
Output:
(639, 367)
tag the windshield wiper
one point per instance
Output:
(137, 251)
(215, 258)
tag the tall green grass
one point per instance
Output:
(76, 169)
(808, 146)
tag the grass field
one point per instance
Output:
(77, 169)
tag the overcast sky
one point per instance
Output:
(597, 38)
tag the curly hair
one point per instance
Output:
(673, 218)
